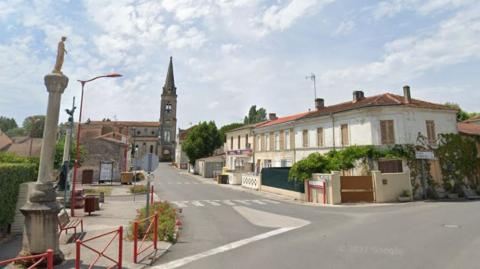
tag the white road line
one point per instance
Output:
(270, 201)
(242, 202)
(180, 203)
(227, 247)
(212, 202)
(228, 202)
(257, 202)
(197, 203)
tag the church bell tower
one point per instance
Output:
(168, 117)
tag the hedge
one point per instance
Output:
(11, 176)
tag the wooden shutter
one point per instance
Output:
(282, 140)
(292, 138)
(272, 141)
(344, 131)
(320, 137)
(387, 132)
(431, 131)
(305, 138)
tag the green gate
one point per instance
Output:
(277, 177)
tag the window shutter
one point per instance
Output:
(320, 137)
(383, 132)
(292, 139)
(391, 132)
(282, 140)
(344, 129)
(272, 141)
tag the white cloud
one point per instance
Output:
(424, 7)
(454, 41)
(279, 18)
(344, 28)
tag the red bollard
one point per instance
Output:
(120, 246)
(49, 259)
(155, 231)
(151, 195)
(135, 238)
(77, 258)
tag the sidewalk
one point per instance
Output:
(119, 209)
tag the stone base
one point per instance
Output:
(40, 230)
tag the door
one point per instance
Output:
(355, 189)
(87, 176)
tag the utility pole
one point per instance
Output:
(313, 78)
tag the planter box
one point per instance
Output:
(452, 196)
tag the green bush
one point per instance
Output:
(139, 189)
(166, 222)
(11, 176)
(7, 157)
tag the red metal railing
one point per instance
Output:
(137, 250)
(48, 256)
(118, 263)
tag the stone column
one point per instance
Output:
(40, 230)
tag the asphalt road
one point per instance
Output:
(216, 234)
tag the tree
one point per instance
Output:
(33, 125)
(57, 163)
(461, 114)
(255, 116)
(16, 132)
(226, 128)
(7, 124)
(201, 141)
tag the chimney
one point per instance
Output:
(319, 103)
(357, 96)
(406, 94)
(272, 116)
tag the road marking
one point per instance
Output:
(179, 204)
(270, 201)
(228, 202)
(242, 202)
(227, 247)
(282, 224)
(197, 203)
(257, 202)
(212, 203)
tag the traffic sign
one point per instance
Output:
(149, 162)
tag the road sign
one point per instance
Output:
(424, 155)
(149, 162)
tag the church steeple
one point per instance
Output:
(169, 86)
(168, 117)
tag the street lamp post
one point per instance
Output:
(77, 150)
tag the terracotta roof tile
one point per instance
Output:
(386, 99)
(283, 119)
(126, 123)
(468, 128)
(4, 140)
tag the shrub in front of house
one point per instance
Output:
(166, 222)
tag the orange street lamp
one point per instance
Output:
(77, 153)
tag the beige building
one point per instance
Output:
(239, 149)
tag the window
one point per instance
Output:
(390, 166)
(277, 141)
(238, 142)
(344, 132)
(267, 138)
(166, 136)
(151, 148)
(259, 143)
(287, 139)
(231, 142)
(267, 163)
(431, 137)
(319, 137)
(305, 138)
(387, 133)
(246, 142)
(168, 108)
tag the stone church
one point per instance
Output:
(168, 118)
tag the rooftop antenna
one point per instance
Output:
(312, 77)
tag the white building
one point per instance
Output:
(384, 119)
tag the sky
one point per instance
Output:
(231, 54)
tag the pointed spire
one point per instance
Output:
(170, 81)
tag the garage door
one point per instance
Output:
(356, 189)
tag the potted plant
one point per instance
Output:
(405, 196)
(450, 186)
